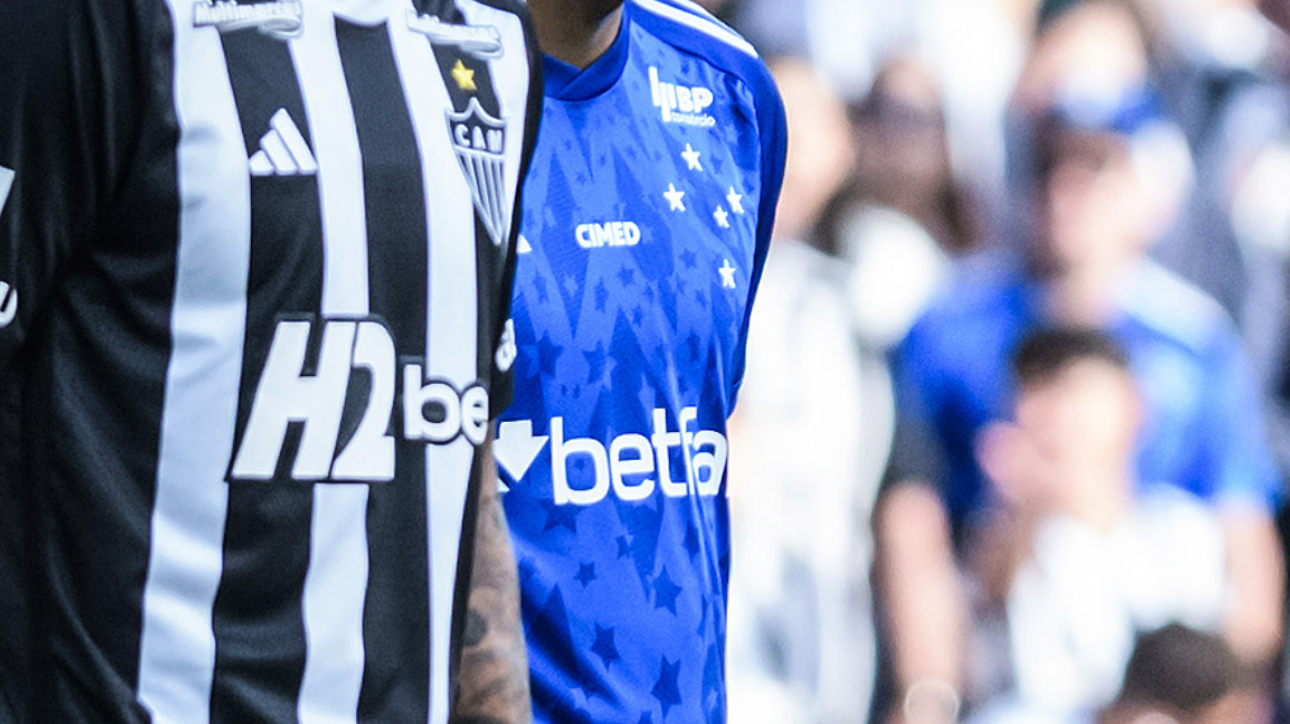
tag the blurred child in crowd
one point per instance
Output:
(1080, 554)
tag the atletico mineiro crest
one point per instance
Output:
(480, 142)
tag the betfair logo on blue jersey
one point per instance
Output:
(680, 103)
(632, 465)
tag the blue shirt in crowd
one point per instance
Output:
(1203, 428)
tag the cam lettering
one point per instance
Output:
(614, 233)
(433, 411)
(475, 138)
(634, 466)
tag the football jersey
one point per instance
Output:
(646, 218)
(255, 265)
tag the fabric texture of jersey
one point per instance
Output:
(255, 263)
(1202, 432)
(647, 216)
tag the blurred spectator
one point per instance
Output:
(904, 216)
(1082, 556)
(840, 38)
(1109, 174)
(810, 435)
(1177, 675)
(1181, 676)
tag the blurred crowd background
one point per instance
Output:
(1015, 435)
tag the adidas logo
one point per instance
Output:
(283, 151)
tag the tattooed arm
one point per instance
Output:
(493, 681)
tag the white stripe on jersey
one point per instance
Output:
(709, 27)
(335, 587)
(177, 646)
(513, 97)
(451, 344)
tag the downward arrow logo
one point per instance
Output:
(516, 447)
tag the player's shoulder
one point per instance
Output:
(689, 29)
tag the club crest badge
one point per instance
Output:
(479, 140)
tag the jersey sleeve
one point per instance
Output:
(70, 92)
(70, 88)
(773, 130)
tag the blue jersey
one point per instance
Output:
(1202, 429)
(647, 213)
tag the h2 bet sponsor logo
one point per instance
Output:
(354, 371)
(632, 465)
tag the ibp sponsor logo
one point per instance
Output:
(681, 103)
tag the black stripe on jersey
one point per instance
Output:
(257, 619)
(88, 406)
(396, 616)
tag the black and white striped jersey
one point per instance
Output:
(255, 268)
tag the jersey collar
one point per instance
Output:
(567, 83)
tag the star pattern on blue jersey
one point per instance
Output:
(727, 272)
(736, 201)
(712, 677)
(604, 646)
(586, 574)
(548, 354)
(602, 295)
(528, 569)
(665, 592)
(550, 628)
(691, 157)
(665, 689)
(723, 217)
(596, 362)
(675, 199)
(561, 516)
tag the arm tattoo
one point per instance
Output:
(493, 684)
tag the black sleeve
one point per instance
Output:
(72, 82)
(72, 79)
